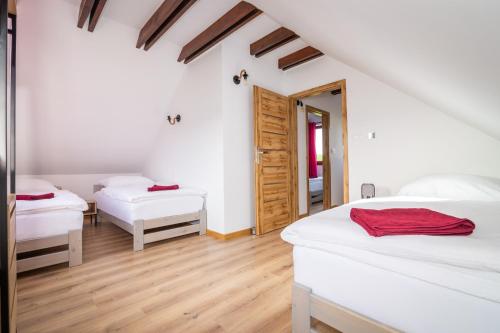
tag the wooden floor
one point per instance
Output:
(192, 284)
(316, 208)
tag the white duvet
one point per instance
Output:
(62, 200)
(139, 193)
(332, 230)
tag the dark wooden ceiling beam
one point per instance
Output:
(163, 19)
(234, 19)
(84, 12)
(95, 13)
(272, 41)
(297, 58)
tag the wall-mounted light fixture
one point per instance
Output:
(243, 75)
(173, 121)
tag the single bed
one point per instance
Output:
(150, 216)
(358, 283)
(48, 232)
(316, 189)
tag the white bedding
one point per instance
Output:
(139, 193)
(316, 184)
(63, 200)
(153, 207)
(474, 260)
(400, 301)
(47, 224)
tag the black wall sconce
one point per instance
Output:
(243, 75)
(173, 121)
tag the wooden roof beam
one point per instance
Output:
(95, 13)
(297, 58)
(163, 19)
(83, 14)
(272, 41)
(234, 19)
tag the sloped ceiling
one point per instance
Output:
(445, 53)
(135, 13)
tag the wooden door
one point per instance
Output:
(273, 208)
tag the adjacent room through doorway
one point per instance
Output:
(320, 152)
(317, 161)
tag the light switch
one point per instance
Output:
(371, 136)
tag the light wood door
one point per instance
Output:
(272, 160)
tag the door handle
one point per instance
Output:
(258, 154)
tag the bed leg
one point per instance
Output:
(138, 235)
(301, 309)
(203, 221)
(75, 247)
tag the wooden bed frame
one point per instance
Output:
(73, 255)
(305, 305)
(187, 224)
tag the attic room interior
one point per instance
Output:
(249, 166)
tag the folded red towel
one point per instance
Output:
(32, 197)
(410, 221)
(155, 188)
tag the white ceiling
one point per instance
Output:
(445, 53)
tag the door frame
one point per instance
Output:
(325, 123)
(337, 85)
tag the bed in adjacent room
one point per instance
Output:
(48, 225)
(133, 204)
(316, 189)
(411, 283)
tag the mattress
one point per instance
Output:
(386, 295)
(333, 230)
(47, 224)
(150, 209)
(63, 200)
(316, 185)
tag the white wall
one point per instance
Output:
(412, 139)
(87, 102)
(239, 194)
(191, 152)
(333, 105)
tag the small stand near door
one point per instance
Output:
(92, 211)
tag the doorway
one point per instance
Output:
(329, 98)
(317, 158)
(276, 162)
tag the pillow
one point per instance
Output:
(125, 180)
(454, 187)
(32, 185)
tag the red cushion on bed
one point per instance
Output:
(32, 197)
(410, 221)
(155, 188)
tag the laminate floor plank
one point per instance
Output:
(189, 284)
